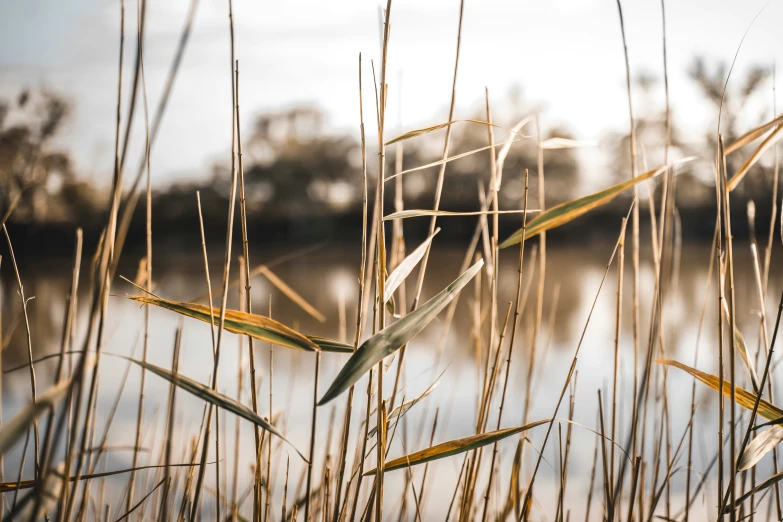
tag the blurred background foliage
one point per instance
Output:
(297, 172)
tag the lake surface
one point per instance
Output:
(327, 278)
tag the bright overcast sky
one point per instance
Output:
(566, 54)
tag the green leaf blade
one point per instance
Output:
(393, 337)
(207, 394)
(256, 326)
(454, 447)
(570, 210)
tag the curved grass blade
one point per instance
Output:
(393, 337)
(426, 130)
(17, 426)
(752, 135)
(565, 212)
(330, 345)
(566, 143)
(760, 446)
(411, 213)
(454, 447)
(743, 397)
(58, 472)
(501, 159)
(256, 326)
(450, 159)
(767, 143)
(221, 401)
(407, 265)
(761, 487)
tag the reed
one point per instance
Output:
(383, 450)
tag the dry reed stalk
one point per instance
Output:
(237, 170)
(617, 333)
(33, 386)
(271, 412)
(634, 482)
(364, 448)
(163, 514)
(592, 480)
(160, 110)
(746, 437)
(634, 223)
(635, 214)
(359, 306)
(528, 493)
(708, 281)
(733, 325)
(608, 501)
(2, 456)
(381, 255)
(767, 260)
(421, 503)
(240, 379)
(500, 413)
(541, 240)
(223, 305)
(540, 282)
(141, 16)
(517, 312)
(99, 306)
(311, 455)
(483, 416)
(285, 488)
(441, 172)
(493, 257)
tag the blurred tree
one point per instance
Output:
(740, 94)
(696, 189)
(297, 169)
(29, 163)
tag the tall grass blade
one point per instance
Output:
(426, 130)
(207, 394)
(411, 213)
(771, 481)
(455, 447)
(565, 212)
(566, 143)
(449, 159)
(766, 144)
(743, 397)
(256, 326)
(407, 265)
(752, 135)
(760, 446)
(393, 337)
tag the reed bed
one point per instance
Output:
(364, 459)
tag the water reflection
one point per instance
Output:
(326, 279)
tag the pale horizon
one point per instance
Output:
(565, 55)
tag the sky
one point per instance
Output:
(564, 55)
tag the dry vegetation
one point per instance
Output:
(341, 475)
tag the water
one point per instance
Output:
(327, 278)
